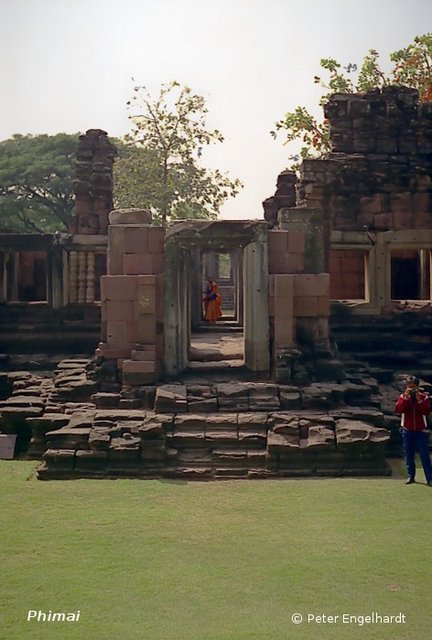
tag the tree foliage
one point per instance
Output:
(159, 164)
(412, 68)
(36, 182)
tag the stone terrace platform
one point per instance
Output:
(196, 431)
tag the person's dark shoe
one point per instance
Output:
(410, 481)
(429, 483)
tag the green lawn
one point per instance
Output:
(233, 560)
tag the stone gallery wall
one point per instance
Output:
(377, 177)
(378, 174)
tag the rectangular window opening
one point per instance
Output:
(25, 276)
(410, 274)
(349, 275)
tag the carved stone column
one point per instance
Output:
(82, 277)
(73, 277)
(90, 288)
(256, 317)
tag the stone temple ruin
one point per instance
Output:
(327, 301)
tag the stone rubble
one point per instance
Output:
(223, 430)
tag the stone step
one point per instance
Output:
(145, 444)
(42, 363)
(214, 431)
(223, 364)
(395, 358)
(227, 326)
(377, 342)
(199, 356)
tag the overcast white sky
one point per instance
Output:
(66, 66)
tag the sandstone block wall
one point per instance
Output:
(135, 250)
(377, 177)
(132, 302)
(286, 251)
(298, 302)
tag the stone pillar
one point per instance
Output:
(73, 277)
(82, 273)
(310, 339)
(132, 297)
(177, 325)
(281, 310)
(49, 277)
(237, 273)
(256, 316)
(196, 289)
(56, 277)
(382, 272)
(90, 284)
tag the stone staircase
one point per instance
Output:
(216, 352)
(387, 346)
(212, 430)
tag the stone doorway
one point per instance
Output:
(227, 269)
(189, 248)
(217, 347)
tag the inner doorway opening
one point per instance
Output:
(219, 344)
(185, 248)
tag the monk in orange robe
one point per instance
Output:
(212, 302)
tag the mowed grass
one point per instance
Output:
(232, 560)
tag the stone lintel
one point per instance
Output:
(217, 235)
(353, 238)
(26, 241)
(77, 241)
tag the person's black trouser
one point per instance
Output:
(417, 441)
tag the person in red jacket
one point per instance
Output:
(414, 405)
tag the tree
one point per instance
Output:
(36, 182)
(159, 168)
(412, 68)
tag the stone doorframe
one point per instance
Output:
(181, 243)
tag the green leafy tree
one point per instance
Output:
(36, 182)
(159, 161)
(412, 68)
